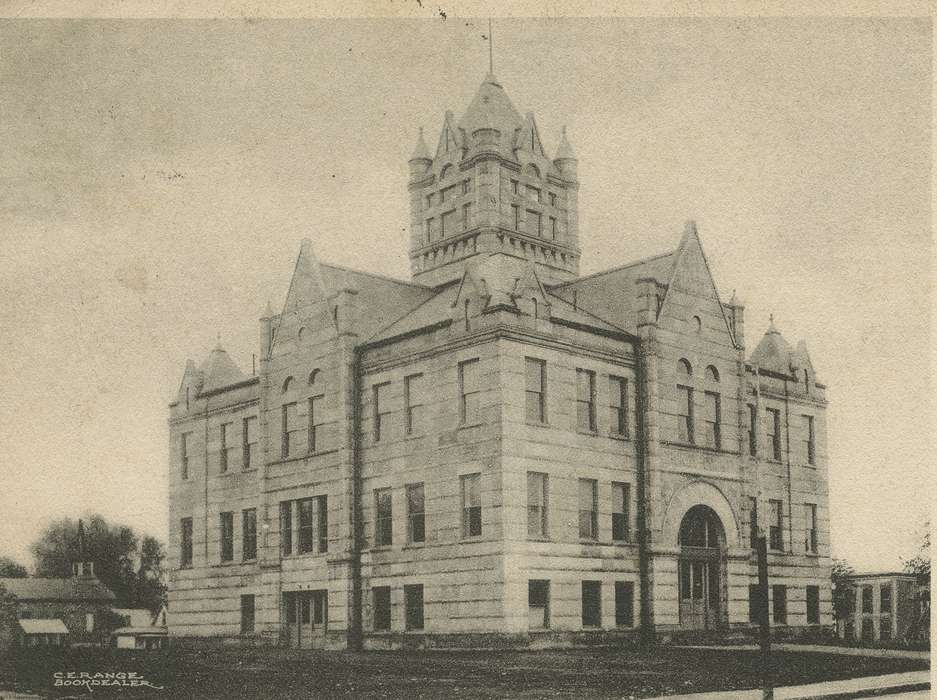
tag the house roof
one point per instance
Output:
(220, 371)
(610, 295)
(43, 626)
(34, 588)
(151, 630)
(491, 108)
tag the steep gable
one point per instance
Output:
(691, 290)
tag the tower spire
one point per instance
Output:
(491, 50)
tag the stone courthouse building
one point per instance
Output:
(499, 450)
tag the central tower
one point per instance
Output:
(491, 188)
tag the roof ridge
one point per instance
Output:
(614, 269)
(586, 312)
(376, 275)
(409, 312)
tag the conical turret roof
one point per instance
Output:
(565, 150)
(219, 370)
(421, 150)
(491, 108)
(773, 351)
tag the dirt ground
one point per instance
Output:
(272, 673)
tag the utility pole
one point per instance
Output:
(764, 628)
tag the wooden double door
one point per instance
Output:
(306, 618)
(700, 592)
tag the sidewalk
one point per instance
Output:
(846, 651)
(852, 687)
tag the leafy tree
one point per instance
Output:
(129, 566)
(8, 616)
(844, 593)
(919, 564)
(12, 569)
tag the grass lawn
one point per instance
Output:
(272, 673)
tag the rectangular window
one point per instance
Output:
(621, 512)
(774, 432)
(227, 536)
(466, 209)
(775, 529)
(591, 604)
(553, 199)
(465, 186)
(469, 392)
(249, 441)
(249, 534)
(322, 522)
(536, 382)
(413, 403)
(552, 228)
(288, 420)
(184, 454)
(810, 527)
(471, 505)
(585, 400)
(810, 453)
(413, 604)
(384, 521)
(429, 225)
(315, 422)
(588, 509)
(381, 596)
(517, 217)
(884, 628)
(538, 604)
(867, 596)
(286, 528)
(514, 186)
(381, 413)
(813, 605)
(752, 430)
(884, 605)
(713, 420)
(685, 418)
(618, 405)
(779, 600)
(306, 525)
(753, 521)
(416, 513)
(536, 505)
(185, 547)
(534, 194)
(534, 223)
(225, 447)
(624, 604)
(247, 614)
(447, 223)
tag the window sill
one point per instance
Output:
(590, 433)
(476, 424)
(414, 545)
(538, 424)
(302, 555)
(472, 538)
(623, 437)
(382, 548)
(538, 538)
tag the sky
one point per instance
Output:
(156, 178)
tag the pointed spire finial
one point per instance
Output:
(491, 50)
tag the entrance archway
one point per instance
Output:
(701, 569)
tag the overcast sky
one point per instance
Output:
(156, 179)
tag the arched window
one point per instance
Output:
(314, 377)
(684, 368)
(701, 527)
(712, 374)
(697, 324)
(536, 309)
(301, 333)
(444, 173)
(466, 314)
(533, 170)
(287, 383)
(685, 419)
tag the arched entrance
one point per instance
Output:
(701, 569)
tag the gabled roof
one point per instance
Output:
(34, 588)
(380, 300)
(610, 295)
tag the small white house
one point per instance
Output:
(143, 629)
